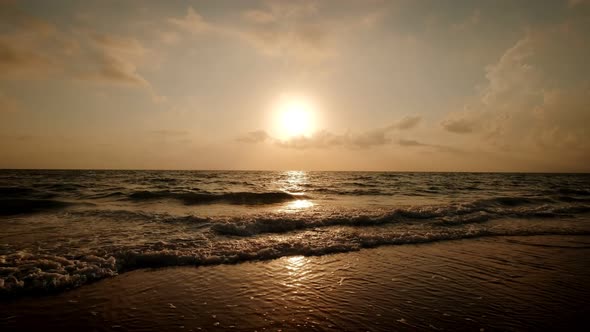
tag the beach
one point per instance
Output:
(532, 283)
(266, 250)
(311, 165)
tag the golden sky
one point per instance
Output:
(394, 85)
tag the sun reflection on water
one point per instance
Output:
(298, 271)
(295, 263)
(294, 182)
(299, 204)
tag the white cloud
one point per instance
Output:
(522, 110)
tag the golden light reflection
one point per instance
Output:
(299, 204)
(295, 179)
(294, 182)
(298, 271)
(295, 263)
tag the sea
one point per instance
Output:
(61, 229)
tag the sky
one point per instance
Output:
(399, 85)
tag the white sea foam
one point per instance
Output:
(25, 272)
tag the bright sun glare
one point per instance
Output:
(295, 117)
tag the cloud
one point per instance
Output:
(369, 139)
(408, 122)
(118, 44)
(300, 40)
(282, 28)
(319, 140)
(168, 37)
(12, 15)
(18, 59)
(531, 104)
(564, 117)
(327, 140)
(115, 70)
(405, 142)
(439, 148)
(192, 22)
(459, 126)
(324, 139)
(513, 81)
(116, 59)
(513, 88)
(305, 32)
(24, 44)
(258, 16)
(32, 48)
(257, 136)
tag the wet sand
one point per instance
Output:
(539, 283)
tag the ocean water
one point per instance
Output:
(63, 229)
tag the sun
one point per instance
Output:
(295, 117)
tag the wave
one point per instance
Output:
(237, 198)
(353, 211)
(112, 194)
(25, 273)
(164, 180)
(65, 187)
(352, 192)
(252, 224)
(453, 214)
(372, 184)
(143, 216)
(14, 206)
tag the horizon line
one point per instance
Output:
(283, 170)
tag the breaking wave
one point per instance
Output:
(25, 273)
(454, 214)
(63, 229)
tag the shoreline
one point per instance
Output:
(524, 283)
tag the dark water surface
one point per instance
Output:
(62, 229)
